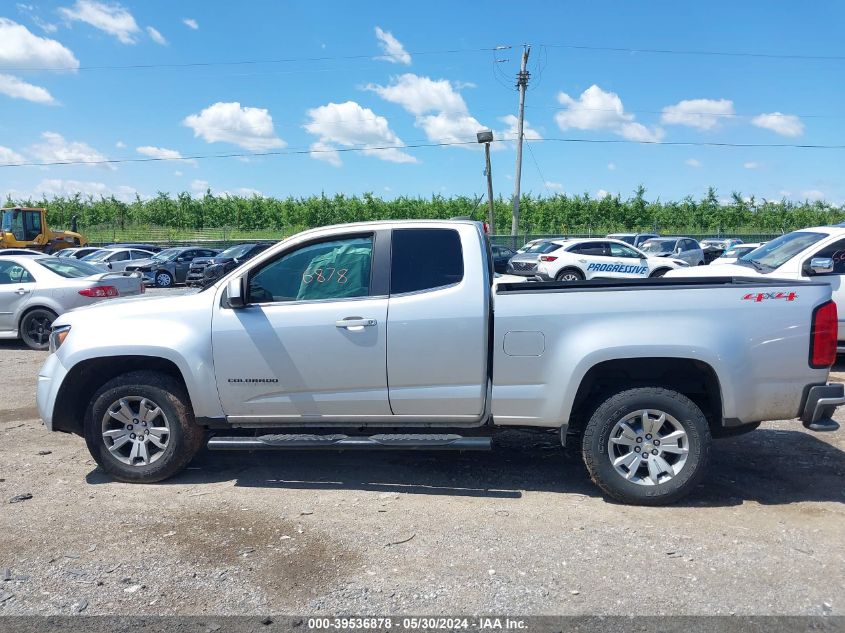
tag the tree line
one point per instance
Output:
(557, 214)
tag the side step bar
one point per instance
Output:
(403, 442)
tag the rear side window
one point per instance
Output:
(594, 249)
(422, 259)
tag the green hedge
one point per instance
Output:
(557, 214)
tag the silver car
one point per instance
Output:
(525, 263)
(35, 290)
(116, 259)
(683, 248)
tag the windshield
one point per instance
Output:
(97, 256)
(738, 251)
(776, 253)
(543, 247)
(167, 255)
(628, 239)
(658, 246)
(68, 267)
(234, 252)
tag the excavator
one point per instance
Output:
(27, 228)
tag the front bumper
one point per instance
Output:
(820, 405)
(50, 378)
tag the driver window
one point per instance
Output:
(618, 250)
(339, 269)
(836, 252)
(12, 273)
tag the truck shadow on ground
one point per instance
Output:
(767, 466)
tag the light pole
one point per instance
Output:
(486, 137)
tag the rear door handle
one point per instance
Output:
(355, 322)
(22, 291)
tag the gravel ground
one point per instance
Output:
(518, 530)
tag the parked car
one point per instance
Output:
(341, 330)
(715, 247)
(77, 252)
(600, 258)
(205, 270)
(684, 248)
(501, 256)
(634, 239)
(20, 251)
(734, 253)
(152, 248)
(816, 253)
(170, 266)
(116, 259)
(524, 264)
(531, 243)
(35, 290)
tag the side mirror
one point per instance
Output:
(109, 265)
(235, 293)
(821, 265)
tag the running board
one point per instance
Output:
(405, 442)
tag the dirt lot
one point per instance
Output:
(518, 530)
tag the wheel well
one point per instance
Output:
(569, 268)
(693, 378)
(85, 378)
(30, 309)
(655, 272)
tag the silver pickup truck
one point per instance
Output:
(397, 335)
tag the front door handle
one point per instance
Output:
(355, 322)
(22, 291)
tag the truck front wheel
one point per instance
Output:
(646, 446)
(140, 427)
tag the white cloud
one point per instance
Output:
(156, 37)
(10, 156)
(19, 89)
(813, 194)
(109, 18)
(601, 194)
(611, 166)
(751, 165)
(556, 186)
(596, 109)
(325, 152)
(703, 114)
(693, 162)
(32, 12)
(512, 131)
(191, 23)
(439, 108)
(394, 52)
(120, 144)
(52, 187)
(200, 187)
(250, 128)
(162, 153)
(19, 48)
(178, 174)
(56, 149)
(783, 124)
(350, 125)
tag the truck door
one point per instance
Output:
(437, 333)
(16, 286)
(310, 345)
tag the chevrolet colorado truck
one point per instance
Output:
(397, 335)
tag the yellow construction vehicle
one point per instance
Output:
(27, 228)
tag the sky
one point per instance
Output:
(296, 98)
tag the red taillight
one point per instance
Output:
(823, 336)
(100, 292)
(547, 258)
(486, 228)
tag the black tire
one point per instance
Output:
(598, 456)
(659, 272)
(184, 439)
(569, 274)
(724, 432)
(35, 327)
(163, 279)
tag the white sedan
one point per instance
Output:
(35, 290)
(116, 259)
(601, 258)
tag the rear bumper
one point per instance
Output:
(821, 403)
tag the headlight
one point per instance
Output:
(57, 336)
(680, 262)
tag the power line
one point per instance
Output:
(729, 115)
(249, 62)
(667, 51)
(537, 165)
(420, 145)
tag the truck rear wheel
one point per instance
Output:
(140, 427)
(647, 446)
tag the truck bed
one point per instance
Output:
(653, 284)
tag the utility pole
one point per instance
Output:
(521, 84)
(492, 219)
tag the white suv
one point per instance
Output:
(817, 253)
(598, 258)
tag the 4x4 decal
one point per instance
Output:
(763, 296)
